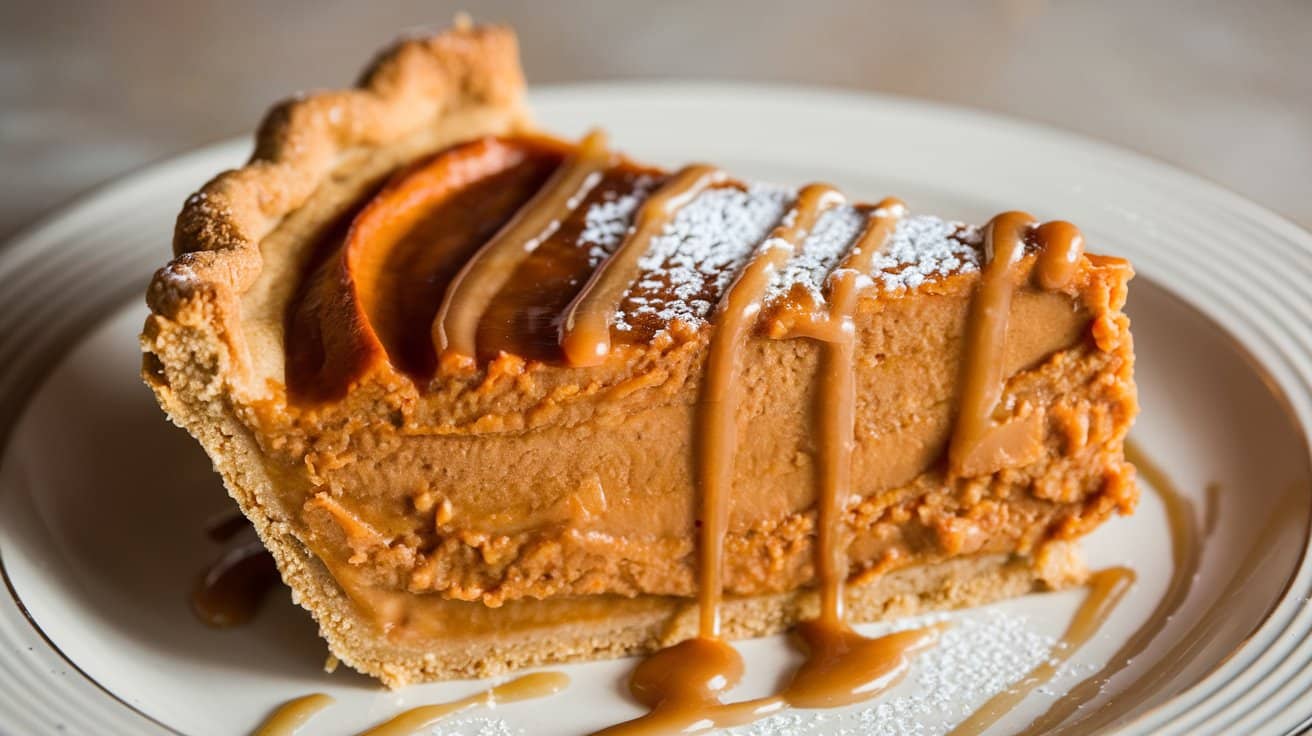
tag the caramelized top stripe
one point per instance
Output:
(320, 362)
(585, 332)
(717, 435)
(409, 243)
(456, 325)
(372, 288)
(375, 278)
(525, 317)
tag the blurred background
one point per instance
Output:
(91, 89)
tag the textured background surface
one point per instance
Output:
(91, 89)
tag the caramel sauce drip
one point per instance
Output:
(1106, 589)
(230, 590)
(527, 687)
(835, 414)
(977, 441)
(986, 334)
(716, 431)
(292, 715)
(682, 686)
(843, 667)
(585, 330)
(1186, 550)
(1061, 244)
(455, 327)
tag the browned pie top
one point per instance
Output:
(375, 285)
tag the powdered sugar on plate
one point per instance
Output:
(981, 655)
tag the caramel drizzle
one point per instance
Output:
(682, 684)
(842, 666)
(717, 431)
(1106, 589)
(292, 715)
(836, 413)
(585, 330)
(1059, 259)
(535, 685)
(976, 437)
(230, 590)
(456, 325)
(1185, 554)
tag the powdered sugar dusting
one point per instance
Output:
(690, 264)
(978, 657)
(474, 726)
(924, 247)
(607, 222)
(820, 252)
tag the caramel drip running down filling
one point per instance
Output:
(1062, 245)
(842, 666)
(976, 440)
(455, 328)
(835, 415)
(292, 715)
(717, 432)
(585, 331)
(682, 683)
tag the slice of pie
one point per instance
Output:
(494, 399)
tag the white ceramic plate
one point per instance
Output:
(102, 502)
